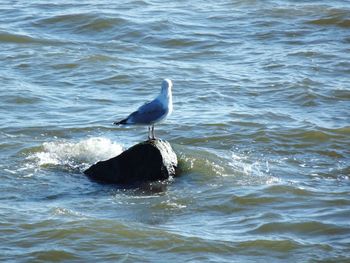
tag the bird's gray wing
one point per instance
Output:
(148, 113)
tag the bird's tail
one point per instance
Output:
(120, 122)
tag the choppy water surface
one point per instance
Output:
(261, 125)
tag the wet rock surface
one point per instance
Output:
(147, 161)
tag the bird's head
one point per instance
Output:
(167, 84)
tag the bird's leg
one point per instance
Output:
(149, 133)
(153, 134)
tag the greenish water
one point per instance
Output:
(261, 126)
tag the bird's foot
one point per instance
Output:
(152, 138)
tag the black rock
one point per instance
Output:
(147, 161)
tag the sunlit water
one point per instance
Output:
(261, 126)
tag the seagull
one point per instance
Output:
(152, 112)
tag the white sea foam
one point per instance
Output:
(76, 154)
(250, 170)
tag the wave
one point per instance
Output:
(6, 37)
(242, 168)
(84, 22)
(337, 20)
(75, 155)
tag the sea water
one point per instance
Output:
(261, 127)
